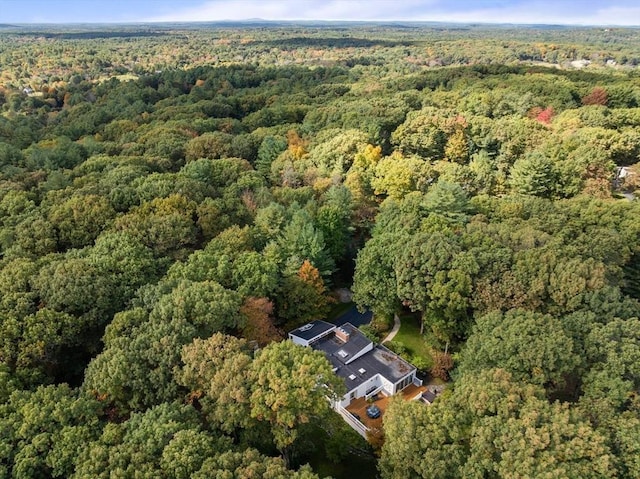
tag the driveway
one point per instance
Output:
(354, 317)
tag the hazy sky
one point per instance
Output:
(587, 12)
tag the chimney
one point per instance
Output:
(342, 335)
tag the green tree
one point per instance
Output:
(421, 135)
(491, 426)
(160, 442)
(397, 175)
(435, 278)
(215, 371)
(302, 240)
(613, 351)
(374, 281)
(166, 225)
(213, 145)
(531, 346)
(290, 386)
(80, 220)
(250, 464)
(43, 431)
(268, 151)
(534, 175)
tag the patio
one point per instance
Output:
(358, 407)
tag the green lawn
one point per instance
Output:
(409, 336)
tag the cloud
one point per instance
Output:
(298, 10)
(542, 12)
(596, 12)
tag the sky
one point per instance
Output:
(580, 12)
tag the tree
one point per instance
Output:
(260, 325)
(166, 225)
(531, 346)
(160, 442)
(545, 116)
(301, 240)
(206, 306)
(215, 371)
(457, 147)
(269, 150)
(540, 440)
(80, 220)
(136, 372)
(491, 426)
(334, 218)
(597, 96)
(421, 135)
(533, 175)
(442, 365)
(303, 297)
(290, 386)
(447, 198)
(397, 175)
(435, 278)
(212, 145)
(43, 431)
(335, 155)
(374, 280)
(255, 273)
(77, 286)
(436, 448)
(249, 464)
(126, 261)
(613, 352)
(39, 349)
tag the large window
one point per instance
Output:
(404, 383)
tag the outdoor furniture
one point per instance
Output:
(373, 412)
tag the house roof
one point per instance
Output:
(377, 361)
(312, 330)
(428, 396)
(340, 352)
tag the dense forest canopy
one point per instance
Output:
(175, 198)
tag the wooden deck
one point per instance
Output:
(412, 391)
(359, 406)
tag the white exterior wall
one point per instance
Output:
(374, 382)
(297, 340)
(388, 385)
(360, 391)
(306, 342)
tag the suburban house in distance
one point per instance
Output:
(371, 372)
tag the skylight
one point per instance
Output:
(342, 353)
(352, 376)
(362, 370)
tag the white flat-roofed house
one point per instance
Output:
(366, 369)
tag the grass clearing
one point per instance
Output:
(409, 336)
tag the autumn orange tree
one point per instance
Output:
(598, 96)
(260, 326)
(304, 296)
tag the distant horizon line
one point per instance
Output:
(317, 22)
